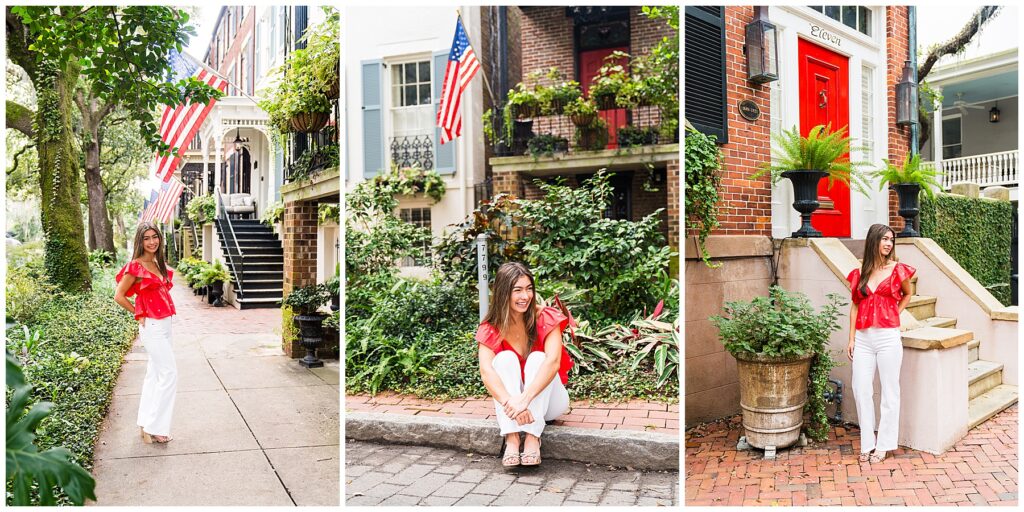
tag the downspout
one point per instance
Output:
(912, 22)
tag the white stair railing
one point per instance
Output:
(985, 170)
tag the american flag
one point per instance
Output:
(462, 67)
(163, 208)
(179, 124)
(148, 205)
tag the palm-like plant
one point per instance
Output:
(822, 149)
(911, 172)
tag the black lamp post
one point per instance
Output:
(906, 98)
(761, 47)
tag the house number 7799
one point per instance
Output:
(820, 33)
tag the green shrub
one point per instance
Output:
(83, 340)
(975, 232)
(413, 307)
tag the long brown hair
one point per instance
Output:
(139, 250)
(873, 255)
(499, 314)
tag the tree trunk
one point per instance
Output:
(66, 261)
(101, 232)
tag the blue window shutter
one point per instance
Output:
(445, 161)
(373, 118)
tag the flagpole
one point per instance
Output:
(222, 77)
(487, 83)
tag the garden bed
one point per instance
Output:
(75, 362)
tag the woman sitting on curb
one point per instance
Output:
(523, 363)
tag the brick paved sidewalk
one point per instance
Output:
(639, 415)
(981, 469)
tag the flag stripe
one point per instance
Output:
(168, 199)
(183, 128)
(462, 67)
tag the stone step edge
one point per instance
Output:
(928, 338)
(620, 448)
(990, 403)
(990, 367)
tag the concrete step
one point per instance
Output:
(244, 303)
(922, 306)
(983, 376)
(267, 293)
(938, 321)
(927, 338)
(989, 404)
(973, 347)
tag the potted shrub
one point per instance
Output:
(629, 136)
(305, 301)
(908, 180)
(215, 276)
(547, 144)
(605, 86)
(593, 137)
(581, 111)
(553, 98)
(778, 342)
(201, 209)
(823, 153)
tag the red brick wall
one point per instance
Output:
(547, 40)
(299, 241)
(897, 49)
(673, 198)
(744, 204)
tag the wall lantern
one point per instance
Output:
(906, 98)
(239, 141)
(761, 47)
(993, 115)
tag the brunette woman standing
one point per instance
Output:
(147, 277)
(881, 291)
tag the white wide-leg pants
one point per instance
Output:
(156, 405)
(551, 403)
(881, 347)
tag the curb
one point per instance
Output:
(621, 448)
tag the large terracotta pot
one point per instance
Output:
(773, 391)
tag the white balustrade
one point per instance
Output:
(988, 169)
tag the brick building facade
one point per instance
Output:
(751, 212)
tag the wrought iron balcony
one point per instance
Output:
(415, 151)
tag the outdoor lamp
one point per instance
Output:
(761, 47)
(906, 98)
(993, 115)
(239, 141)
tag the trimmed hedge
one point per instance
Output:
(976, 233)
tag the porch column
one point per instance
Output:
(218, 141)
(937, 133)
(206, 167)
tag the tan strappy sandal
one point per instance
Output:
(532, 458)
(876, 458)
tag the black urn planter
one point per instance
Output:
(335, 302)
(910, 203)
(805, 198)
(522, 132)
(311, 334)
(217, 294)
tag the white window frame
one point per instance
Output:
(959, 119)
(388, 99)
(429, 253)
(867, 115)
(246, 80)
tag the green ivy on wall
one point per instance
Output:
(976, 233)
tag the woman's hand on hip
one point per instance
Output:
(849, 350)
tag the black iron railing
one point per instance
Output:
(237, 270)
(415, 151)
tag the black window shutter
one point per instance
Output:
(705, 87)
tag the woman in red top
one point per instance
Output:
(881, 291)
(523, 363)
(147, 277)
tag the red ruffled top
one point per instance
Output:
(152, 294)
(880, 308)
(549, 318)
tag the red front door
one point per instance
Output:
(824, 99)
(590, 62)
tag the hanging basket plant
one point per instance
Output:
(308, 122)
(581, 112)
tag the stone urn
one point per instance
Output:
(805, 198)
(909, 207)
(773, 391)
(311, 336)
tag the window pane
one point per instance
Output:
(951, 131)
(396, 74)
(425, 94)
(410, 96)
(410, 74)
(865, 21)
(832, 11)
(952, 151)
(816, 8)
(850, 16)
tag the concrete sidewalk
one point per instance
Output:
(251, 426)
